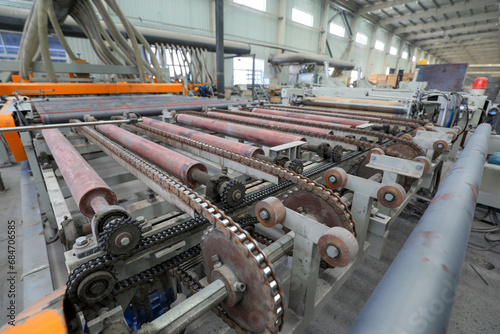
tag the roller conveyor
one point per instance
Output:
(61, 110)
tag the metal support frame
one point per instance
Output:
(37, 174)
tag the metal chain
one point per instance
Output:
(288, 175)
(324, 136)
(241, 238)
(377, 134)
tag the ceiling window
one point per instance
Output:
(404, 55)
(255, 4)
(302, 17)
(361, 38)
(379, 45)
(337, 30)
(393, 51)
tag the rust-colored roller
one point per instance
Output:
(426, 161)
(270, 212)
(335, 178)
(440, 146)
(338, 247)
(391, 195)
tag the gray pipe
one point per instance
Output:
(417, 293)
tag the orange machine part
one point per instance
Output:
(34, 89)
(44, 316)
(13, 139)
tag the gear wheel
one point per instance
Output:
(120, 236)
(296, 165)
(337, 153)
(233, 192)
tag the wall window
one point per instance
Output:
(393, 51)
(242, 71)
(361, 38)
(404, 55)
(255, 4)
(414, 58)
(337, 30)
(9, 47)
(379, 45)
(387, 70)
(302, 17)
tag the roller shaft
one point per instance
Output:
(172, 162)
(246, 116)
(327, 119)
(266, 137)
(89, 191)
(227, 144)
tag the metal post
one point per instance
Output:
(253, 77)
(219, 46)
(417, 293)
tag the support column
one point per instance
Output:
(387, 51)
(219, 46)
(399, 54)
(350, 48)
(373, 39)
(324, 27)
(281, 24)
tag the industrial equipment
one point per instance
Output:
(257, 213)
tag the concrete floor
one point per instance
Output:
(476, 308)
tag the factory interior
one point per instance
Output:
(249, 166)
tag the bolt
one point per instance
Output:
(449, 137)
(389, 197)
(215, 258)
(217, 265)
(419, 167)
(81, 241)
(237, 195)
(125, 241)
(440, 146)
(239, 287)
(140, 219)
(332, 251)
(373, 157)
(264, 214)
(332, 179)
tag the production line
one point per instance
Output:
(257, 213)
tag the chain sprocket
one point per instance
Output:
(120, 236)
(233, 192)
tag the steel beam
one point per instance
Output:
(382, 5)
(446, 23)
(466, 37)
(417, 293)
(443, 10)
(453, 31)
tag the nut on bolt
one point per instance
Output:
(264, 214)
(239, 287)
(81, 241)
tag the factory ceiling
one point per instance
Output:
(453, 30)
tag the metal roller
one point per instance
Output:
(172, 162)
(338, 247)
(270, 212)
(266, 137)
(89, 190)
(391, 195)
(227, 144)
(426, 161)
(440, 146)
(327, 119)
(335, 178)
(249, 118)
